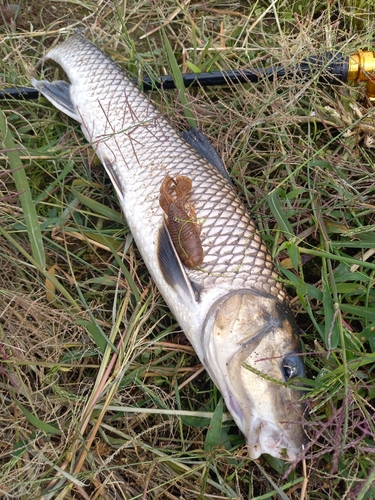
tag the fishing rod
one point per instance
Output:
(332, 68)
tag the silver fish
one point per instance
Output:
(233, 308)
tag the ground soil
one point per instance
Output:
(32, 15)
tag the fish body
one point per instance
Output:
(232, 308)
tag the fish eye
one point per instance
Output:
(292, 367)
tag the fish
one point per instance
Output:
(233, 307)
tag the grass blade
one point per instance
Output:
(214, 431)
(177, 76)
(36, 422)
(24, 193)
(97, 207)
(279, 214)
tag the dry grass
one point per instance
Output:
(301, 155)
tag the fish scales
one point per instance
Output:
(139, 148)
(135, 138)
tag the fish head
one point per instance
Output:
(252, 352)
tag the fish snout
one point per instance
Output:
(265, 437)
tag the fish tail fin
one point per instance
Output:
(58, 93)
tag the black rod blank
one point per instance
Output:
(331, 68)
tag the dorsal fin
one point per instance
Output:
(202, 146)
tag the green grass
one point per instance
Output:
(85, 338)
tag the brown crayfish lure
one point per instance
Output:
(181, 220)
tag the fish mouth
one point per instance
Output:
(284, 441)
(252, 352)
(265, 437)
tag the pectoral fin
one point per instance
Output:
(171, 267)
(58, 93)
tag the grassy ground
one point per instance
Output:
(302, 157)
